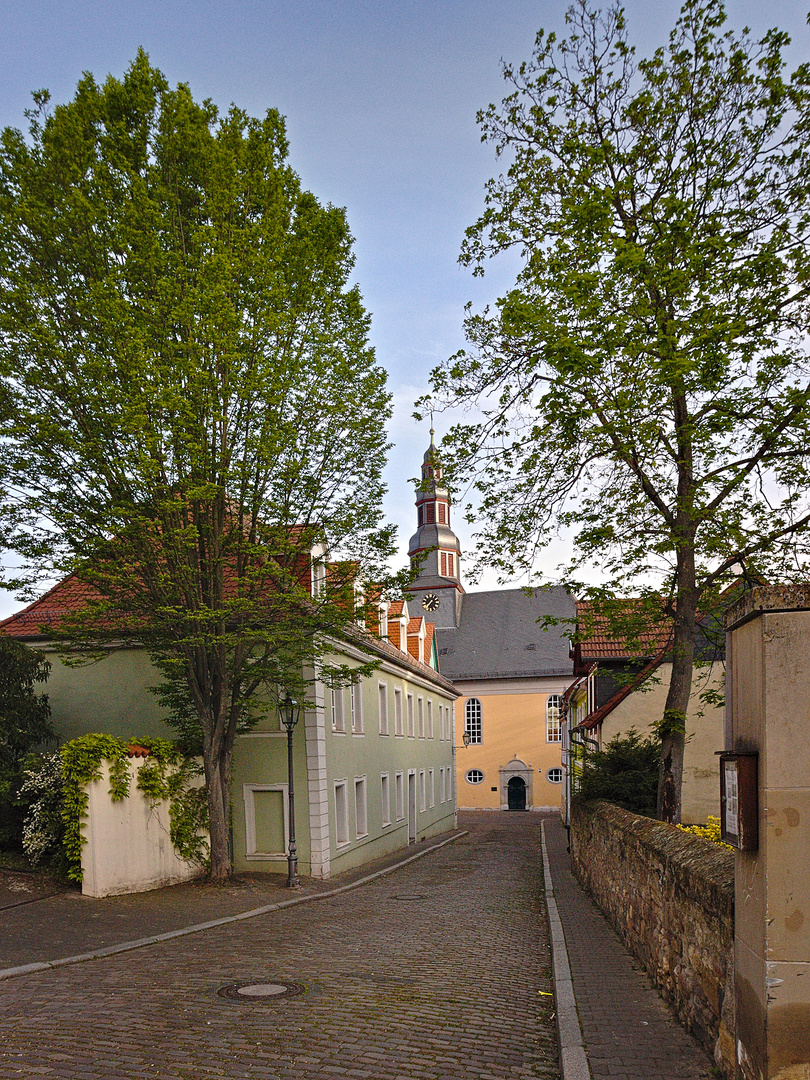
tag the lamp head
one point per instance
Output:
(290, 711)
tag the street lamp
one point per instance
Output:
(290, 712)
(466, 738)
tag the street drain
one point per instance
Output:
(266, 990)
(410, 896)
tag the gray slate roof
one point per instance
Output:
(498, 636)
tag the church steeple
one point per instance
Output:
(435, 546)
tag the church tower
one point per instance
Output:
(437, 590)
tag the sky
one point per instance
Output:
(380, 98)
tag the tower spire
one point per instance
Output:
(434, 547)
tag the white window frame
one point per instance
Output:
(385, 798)
(360, 808)
(382, 691)
(336, 710)
(409, 706)
(429, 719)
(356, 698)
(399, 791)
(398, 729)
(341, 797)
(420, 716)
(554, 704)
(422, 792)
(251, 853)
(474, 720)
(431, 788)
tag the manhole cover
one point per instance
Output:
(261, 990)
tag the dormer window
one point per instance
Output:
(359, 605)
(318, 577)
(383, 620)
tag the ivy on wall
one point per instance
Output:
(164, 776)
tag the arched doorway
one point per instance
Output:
(516, 793)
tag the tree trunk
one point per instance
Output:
(673, 723)
(218, 801)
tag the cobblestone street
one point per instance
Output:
(439, 970)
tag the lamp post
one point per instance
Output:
(290, 712)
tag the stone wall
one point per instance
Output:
(670, 897)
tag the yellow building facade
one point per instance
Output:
(516, 765)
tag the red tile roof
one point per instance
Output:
(69, 596)
(601, 641)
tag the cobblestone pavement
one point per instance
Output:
(438, 971)
(629, 1033)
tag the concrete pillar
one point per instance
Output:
(769, 696)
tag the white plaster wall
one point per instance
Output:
(128, 846)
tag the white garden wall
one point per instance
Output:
(128, 846)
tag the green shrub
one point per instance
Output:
(624, 772)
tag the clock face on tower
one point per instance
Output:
(430, 602)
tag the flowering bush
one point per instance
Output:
(44, 829)
(709, 831)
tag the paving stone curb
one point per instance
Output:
(128, 946)
(573, 1059)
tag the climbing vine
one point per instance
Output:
(166, 774)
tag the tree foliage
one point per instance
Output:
(197, 421)
(25, 726)
(645, 382)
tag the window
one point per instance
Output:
(341, 813)
(338, 723)
(400, 796)
(266, 820)
(554, 776)
(444, 564)
(430, 719)
(442, 513)
(385, 798)
(397, 711)
(431, 513)
(383, 620)
(420, 716)
(383, 692)
(318, 577)
(472, 719)
(474, 776)
(410, 716)
(431, 788)
(554, 718)
(420, 516)
(360, 815)
(422, 791)
(450, 570)
(356, 695)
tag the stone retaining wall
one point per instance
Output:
(670, 897)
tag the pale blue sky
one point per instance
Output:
(380, 99)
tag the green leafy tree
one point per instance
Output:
(645, 382)
(197, 421)
(25, 726)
